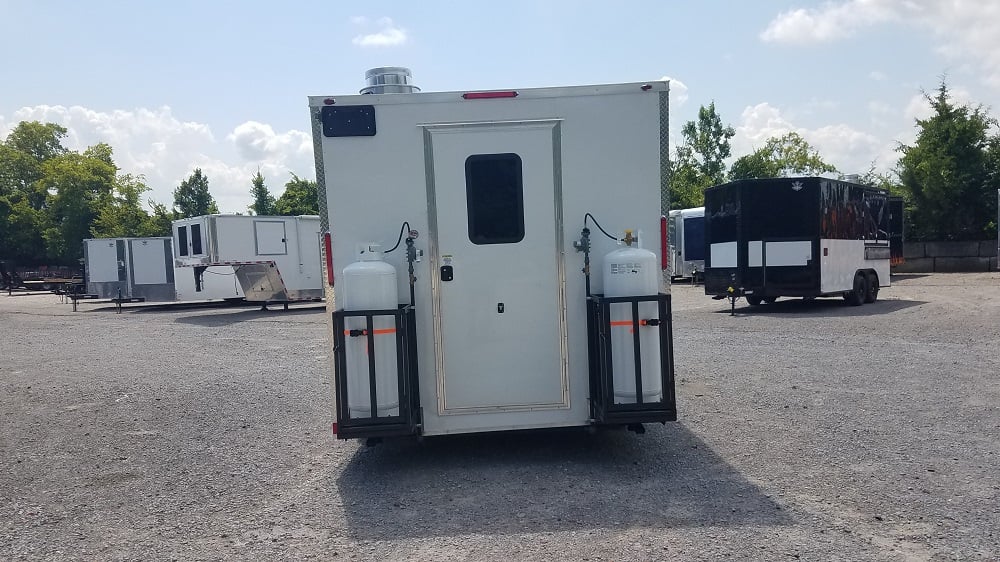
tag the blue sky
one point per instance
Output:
(223, 85)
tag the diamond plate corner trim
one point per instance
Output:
(317, 132)
(665, 151)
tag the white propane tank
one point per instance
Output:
(631, 272)
(370, 284)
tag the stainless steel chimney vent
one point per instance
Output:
(389, 80)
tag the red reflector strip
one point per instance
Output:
(336, 428)
(621, 322)
(663, 242)
(327, 247)
(489, 95)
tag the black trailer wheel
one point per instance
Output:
(754, 300)
(871, 295)
(856, 297)
(770, 300)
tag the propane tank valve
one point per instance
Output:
(583, 244)
(629, 239)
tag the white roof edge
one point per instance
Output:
(546, 92)
(228, 215)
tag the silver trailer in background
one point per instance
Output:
(137, 269)
(142, 269)
(686, 243)
(274, 258)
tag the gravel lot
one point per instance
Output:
(809, 430)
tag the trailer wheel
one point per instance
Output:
(871, 295)
(754, 300)
(856, 297)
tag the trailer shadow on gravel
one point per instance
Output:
(539, 481)
(229, 318)
(832, 307)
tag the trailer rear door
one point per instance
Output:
(500, 334)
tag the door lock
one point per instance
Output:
(447, 273)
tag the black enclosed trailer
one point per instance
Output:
(797, 237)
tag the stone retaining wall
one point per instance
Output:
(948, 257)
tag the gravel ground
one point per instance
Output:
(809, 430)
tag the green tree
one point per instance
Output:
(263, 201)
(22, 154)
(192, 199)
(41, 141)
(699, 161)
(122, 215)
(77, 185)
(159, 221)
(952, 172)
(21, 232)
(22, 196)
(301, 197)
(787, 155)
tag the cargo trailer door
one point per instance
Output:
(105, 267)
(152, 272)
(496, 244)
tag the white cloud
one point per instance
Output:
(830, 22)
(158, 145)
(258, 141)
(965, 29)
(678, 90)
(846, 148)
(388, 34)
(877, 76)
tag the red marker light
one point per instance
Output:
(336, 428)
(327, 249)
(663, 242)
(646, 87)
(489, 95)
(329, 101)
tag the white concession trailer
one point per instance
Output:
(274, 258)
(489, 251)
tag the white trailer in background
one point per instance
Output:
(275, 259)
(130, 269)
(217, 283)
(686, 243)
(488, 317)
(142, 269)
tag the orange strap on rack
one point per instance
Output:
(377, 332)
(627, 323)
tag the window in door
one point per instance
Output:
(182, 240)
(495, 197)
(196, 239)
